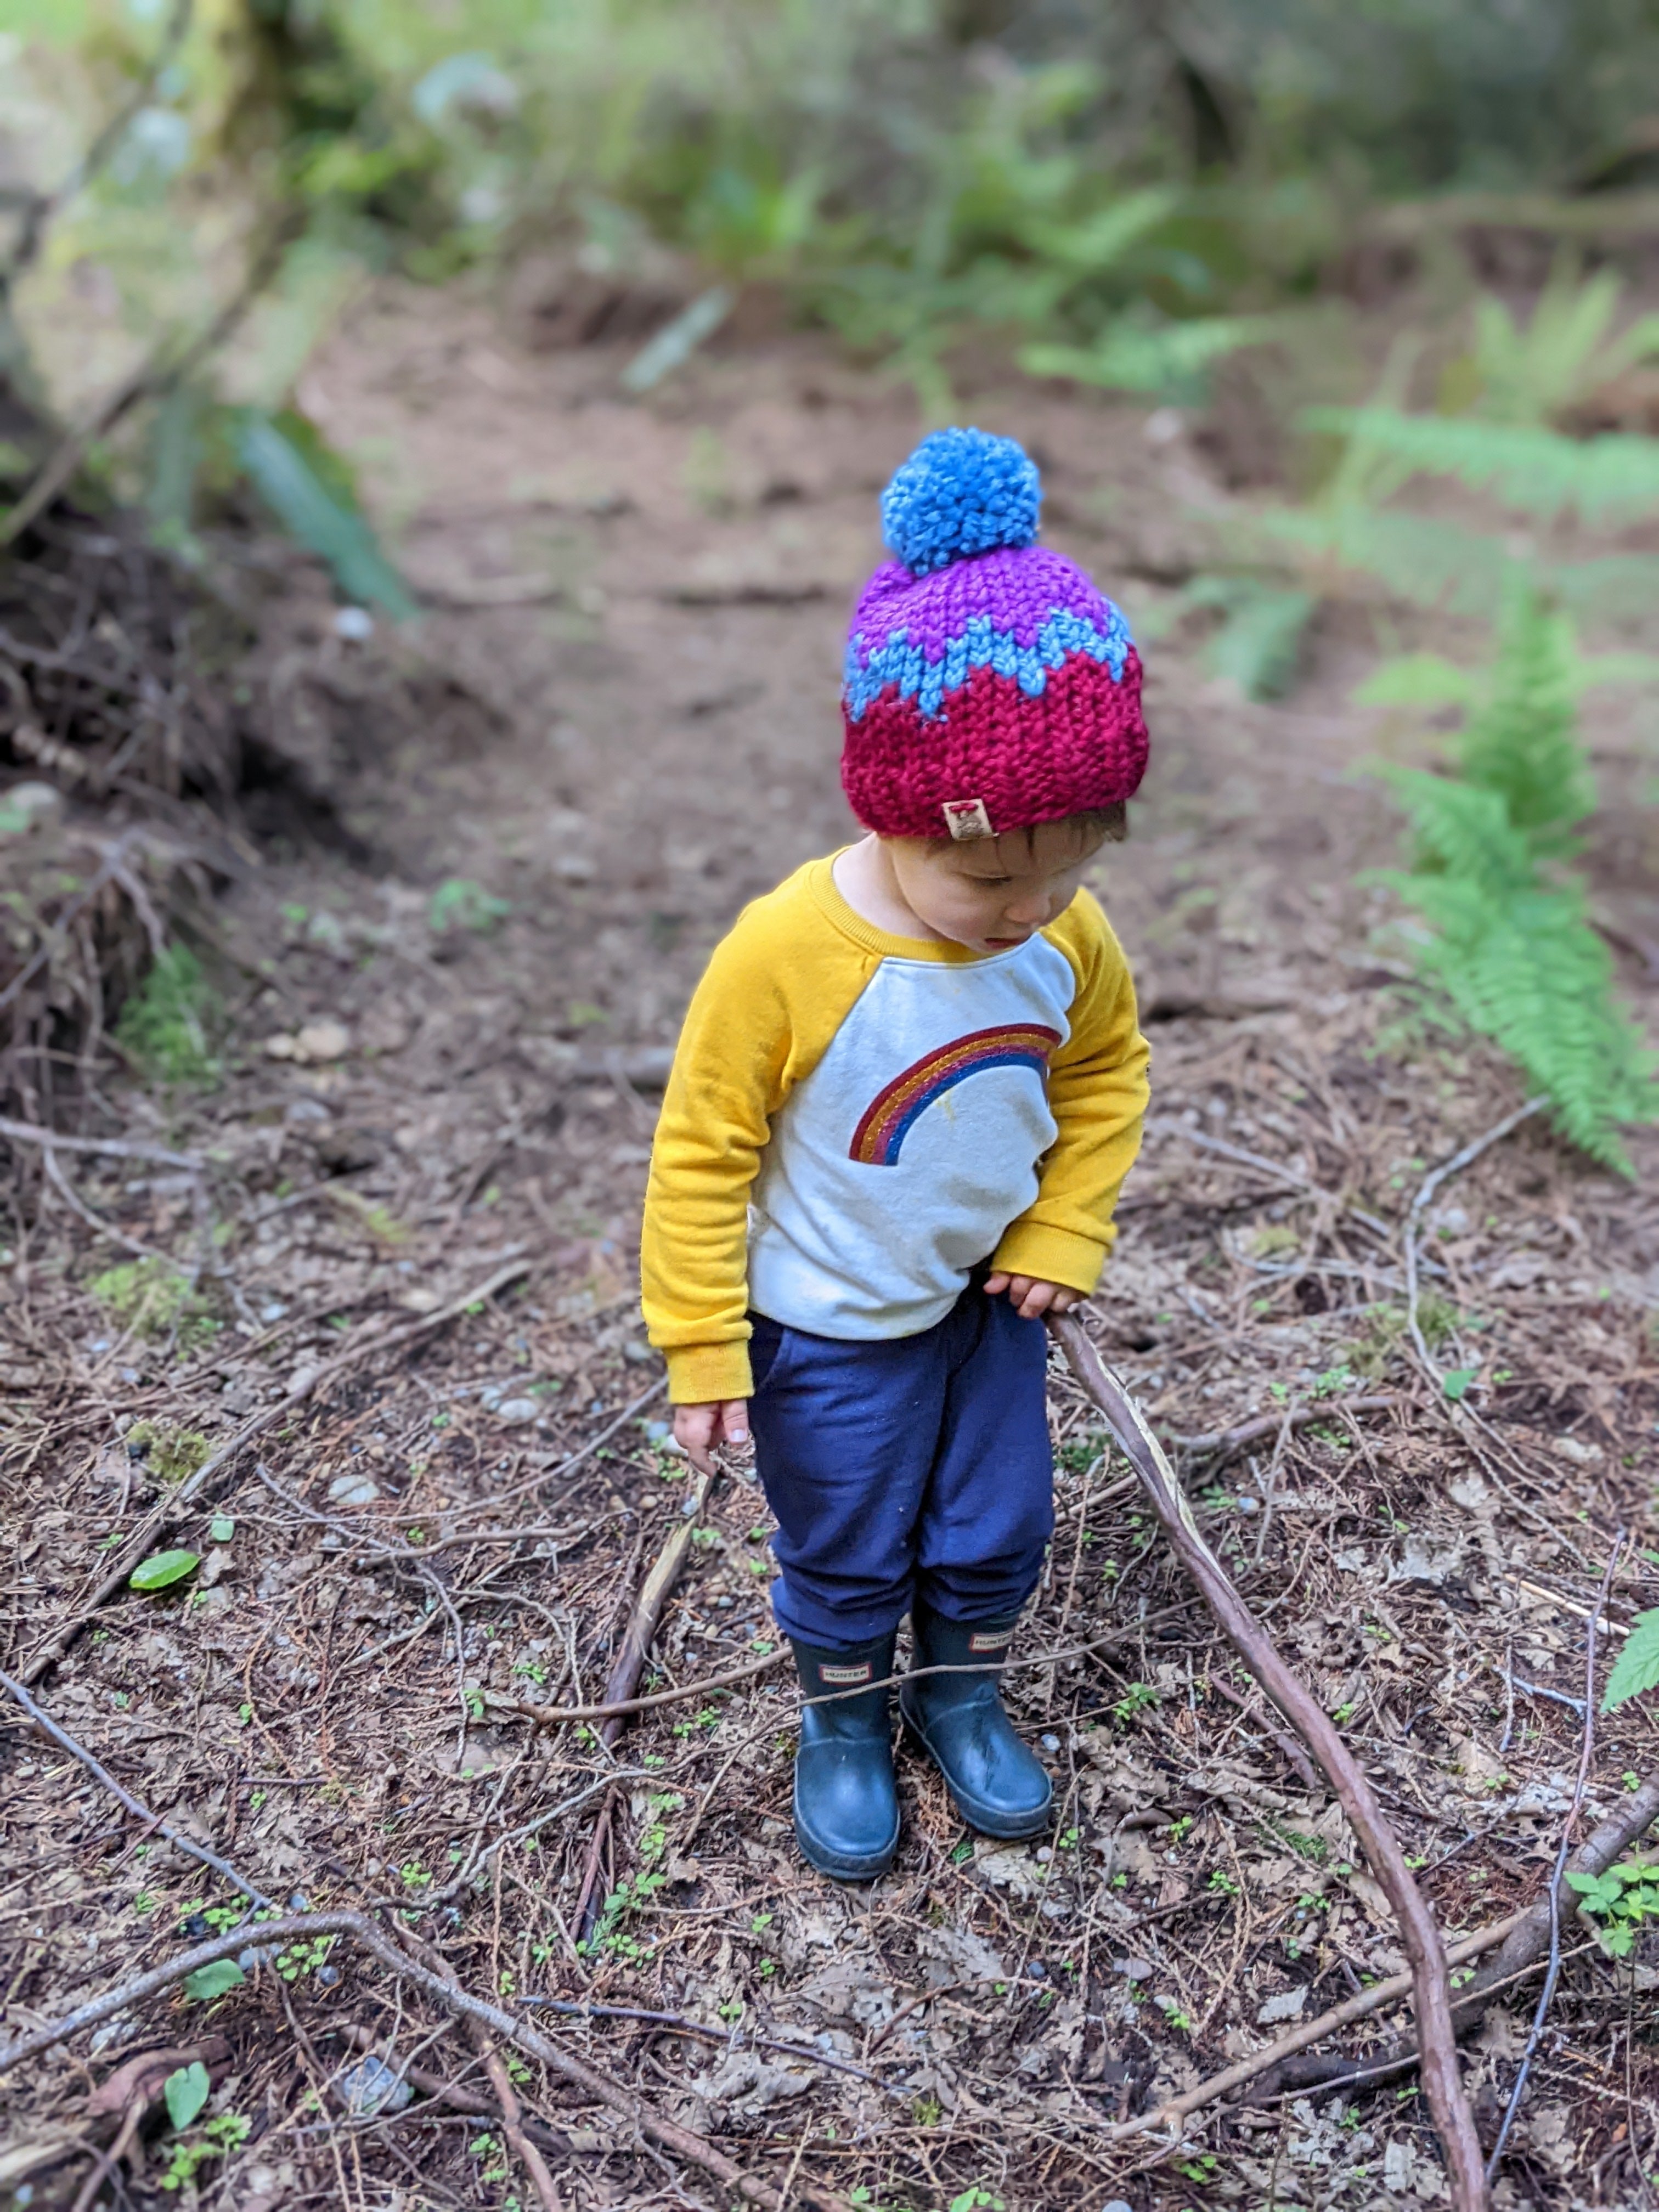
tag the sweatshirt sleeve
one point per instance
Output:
(769, 1002)
(1097, 1093)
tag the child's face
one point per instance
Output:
(995, 893)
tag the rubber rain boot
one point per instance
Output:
(846, 1815)
(997, 1784)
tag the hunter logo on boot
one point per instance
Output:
(842, 1675)
(990, 1639)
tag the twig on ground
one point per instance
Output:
(166, 1515)
(1431, 1993)
(1430, 1184)
(624, 1679)
(553, 1715)
(1280, 1170)
(1223, 1445)
(1587, 1747)
(1287, 1747)
(61, 1736)
(527, 2153)
(114, 1148)
(724, 2036)
(298, 1927)
(442, 2091)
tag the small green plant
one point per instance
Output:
(459, 903)
(1637, 1666)
(164, 1026)
(214, 1980)
(304, 1957)
(1620, 1903)
(1135, 1700)
(217, 2138)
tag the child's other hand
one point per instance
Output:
(698, 1429)
(1030, 1297)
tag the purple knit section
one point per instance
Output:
(1019, 587)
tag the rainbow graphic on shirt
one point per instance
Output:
(879, 1138)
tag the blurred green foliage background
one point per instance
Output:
(1077, 173)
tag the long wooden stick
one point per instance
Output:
(1431, 1989)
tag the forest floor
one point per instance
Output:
(479, 879)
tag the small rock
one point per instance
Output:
(353, 1489)
(304, 1376)
(1575, 1450)
(514, 1412)
(1051, 1743)
(34, 802)
(1287, 2005)
(313, 1043)
(1133, 1970)
(1249, 1505)
(327, 1975)
(355, 625)
(273, 1310)
(371, 2085)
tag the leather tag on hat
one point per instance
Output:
(966, 820)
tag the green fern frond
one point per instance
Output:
(1522, 743)
(1134, 356)
(1425, 563)
(1518, 958)
(1534, 470)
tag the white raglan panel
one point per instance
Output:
(848, 1247)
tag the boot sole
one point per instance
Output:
(844, 1866)
(1003, 1827)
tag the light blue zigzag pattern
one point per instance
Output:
(981, 646)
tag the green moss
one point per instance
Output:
(153, 1299)
(164, 1026)
(171, 1455)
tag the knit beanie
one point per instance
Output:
(989, 684)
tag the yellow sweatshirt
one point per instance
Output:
(854, 1121)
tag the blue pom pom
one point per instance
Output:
(961, 492)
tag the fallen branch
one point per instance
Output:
(298, 1927)
(167, 1514)
(1431, 1992)
(1524, 1936)
(1223, 1445)
(61, 1736)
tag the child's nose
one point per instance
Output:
(1031, 910)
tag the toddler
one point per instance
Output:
(906, 1092)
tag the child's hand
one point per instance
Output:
(1031, 1298)
(698, 1429)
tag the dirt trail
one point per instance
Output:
(495, 860)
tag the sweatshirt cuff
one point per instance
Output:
(705, 1374)
(1050, 1255)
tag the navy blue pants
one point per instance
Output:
(915, 1467)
